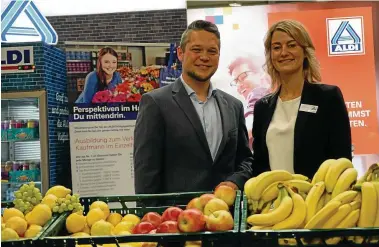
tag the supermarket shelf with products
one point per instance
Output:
(22, 158)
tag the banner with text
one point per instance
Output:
(103, 111)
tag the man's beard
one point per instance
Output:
(193, 75)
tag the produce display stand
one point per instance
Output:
(57, 235)
(302, 237)
(30, 242)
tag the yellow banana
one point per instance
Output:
(300, 177)
(260, 205)
(350, 221)
(323, 215)
(260, 228)
(275, 216)
(255, 206)
(328, 197)
(344, 182)
(322, 171)
(312, 199)
(303, 195)
(287, 241)
(321, 202)
(346, 197)
(276, 203)
(337, 218)
(266, 208)
(369, 205)
(367, 173)
(300, 185)
(271, 192)
(298, 213)
(247, 187)
(335, 172)
(376, 222)
(263, 180)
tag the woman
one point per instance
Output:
(105, 76)
(302, 122)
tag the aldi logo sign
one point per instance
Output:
(345, 36)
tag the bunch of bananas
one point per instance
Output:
(335, 198)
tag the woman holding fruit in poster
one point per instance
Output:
(303, 122)
(105, 76)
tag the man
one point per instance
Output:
(252, 83)
(188, 135)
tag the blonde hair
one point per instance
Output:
(311, 68)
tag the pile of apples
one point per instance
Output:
(209, 212)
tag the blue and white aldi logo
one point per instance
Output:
(345, 36)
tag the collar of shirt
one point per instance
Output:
(190, 91)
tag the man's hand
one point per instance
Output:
(228, 183)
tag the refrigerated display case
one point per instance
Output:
(24, 141)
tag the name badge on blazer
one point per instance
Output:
(308, 108)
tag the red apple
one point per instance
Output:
(171, 213)
(226, 193)
(143, 228)
(153, 231)
(168, 227)
(191, 220)
(214, 205)
(220, 220)
(152, 217)
(196, 204)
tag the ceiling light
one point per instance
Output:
(235, 5)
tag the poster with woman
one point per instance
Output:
(102, 120)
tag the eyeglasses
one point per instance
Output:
(240, 78)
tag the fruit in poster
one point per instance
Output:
(191, 220)
(143, 228)
(168, 227)
(152, 217)
(103, 206)
(225, 193)
(214, 205)
(220, 220)
(75, 223)
(102, 228)
(171, 214)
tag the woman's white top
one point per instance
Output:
(280, 135)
